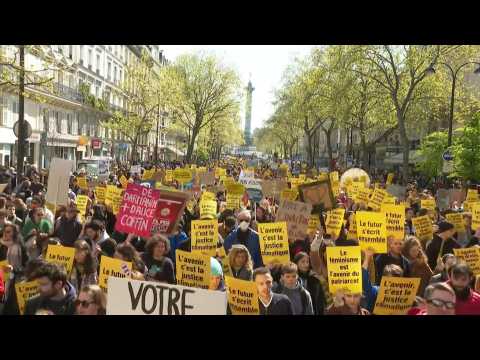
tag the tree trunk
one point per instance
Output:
(329, 148)
(191, 144)
(365, 150)
(405, 144)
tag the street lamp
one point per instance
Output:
(453, 72)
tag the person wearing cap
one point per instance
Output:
(460, 278)
(244, 235)
(441, 244)
(67, 227)
(216, 277)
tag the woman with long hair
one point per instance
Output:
(160, 267)
(314, 283)
(127, 252)
(412, 250)
(84, 271)
(91, 301)
(240, 262)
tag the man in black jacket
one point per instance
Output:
(56, 295)
(269, 302)
(68, 228)
(441, 244)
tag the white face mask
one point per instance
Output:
(243, 225)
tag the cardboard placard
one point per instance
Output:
(204, 236)
(296, 214)
(428, 204)
(471, 256)
(134, 297)
(100, 193)
(318, 194)
(423, 227)
(372, 231)
(395, 215)
(193, 269)
(110, 267)
(376, 199)
(396, 295)
(334, 221)
(61, 255)
(58, 179)
(242, 296)
(138, 209)
(274, 243)
(25, 291)
(457, 220)
(344, 266)
(171, 207)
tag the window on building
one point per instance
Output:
(70, 51)
(75, 124)
(82, 54)
(97, 88)
(3, 110)
(97, 67)
(109, 71)
(115, 74)
(58, 122)
(120, 76)
(90, 59)
(69, 123)
(93, 129)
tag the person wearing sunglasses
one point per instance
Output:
(440, 300)
(91, 301)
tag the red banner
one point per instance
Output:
(170, 209)
(138, 210)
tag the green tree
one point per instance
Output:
(431, 150)
(200, 89)
(141, 91)
(466, 151)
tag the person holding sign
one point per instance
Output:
(160, 267)
(270, 303)
(84, 270)
(412, 250)
(68, 228)
(126, 252)
(246, 236)
(393, 256)
(293, 288)
(441, 244)
(346, 303)
(56, 294)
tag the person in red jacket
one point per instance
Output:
(460, 278)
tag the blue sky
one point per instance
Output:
(265, 63)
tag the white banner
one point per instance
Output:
(133, 297)
(58, 178)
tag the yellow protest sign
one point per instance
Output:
(100, 193)
(475, 216)
(362, 195)
(117, 200)
(363, 179)
(233, 201)
(274, 243)
(295, 183)
(396, 295)
(147, 174)
(168, 176)
(224, 260)
(207, 195)
(201, 169)
(193, 269)
(372, 231)
(289, 194)
(208, 209)
(182, 176)
(123, 180)
(205, 236)
(335, 221)
(389, 200)
(376, 199)
(6, 275)
(389, 178)
(334, 176)
(352, 230)
(227, 181)
(82, 182)
(242, 296)
(344, 266)
(25, 291)
(471, 256)
(111, 190)
(428, 204)
(472, 195)
(235, 189)
(423, 227)
(313, 224)
(468, 205)
(302, 177)
(395, 215)
(457, 220)
(112, 267)
(219, 172)
(61, 255)
(82, 201)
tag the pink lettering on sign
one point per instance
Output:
(138, 210)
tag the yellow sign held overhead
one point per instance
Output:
(274, 243)
(390, 178)
(344, 266)
(428, 204)
(123, 180)
(204, 236)
(193, 269)
(372, 231)
(61, 255)
(25, 291)
(313, 224)
(396, 295)
(472, 195)
(208, 209)
(423, 227)
(334, 221)
(100, 193)
(233, 201)
(376, 199)
(82, 182)
(471, 256)
(182, 176)
(457, 220)
(289, 194)
(395, 215)
(112, 267)
(235, 189)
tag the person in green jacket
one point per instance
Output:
(36, 223)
